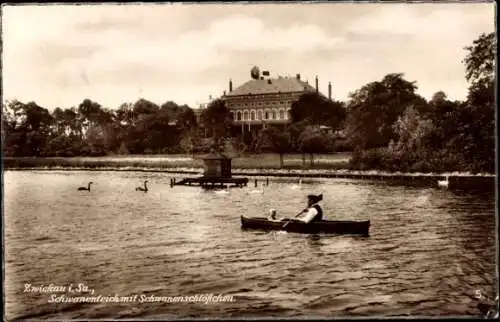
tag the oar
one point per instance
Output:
(300, 213)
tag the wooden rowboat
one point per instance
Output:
(320, 227)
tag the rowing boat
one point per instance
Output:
(347, 227)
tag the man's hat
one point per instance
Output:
(315, 198)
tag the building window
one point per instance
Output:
(289, 114)
(231, 115)
(239, 116)
(245, 115)
(259, 115)
(273, 115)
(282, 114)
(266, 117)
(252, 116)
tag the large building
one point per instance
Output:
(264, 100)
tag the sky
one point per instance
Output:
(58, 55)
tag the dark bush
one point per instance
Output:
(368, 159)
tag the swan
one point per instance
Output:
(83, 188)
(145, 189)
(223, 191)
(444, 183)
(297, 186)
(261, 190)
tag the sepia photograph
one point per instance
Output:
(279, 160)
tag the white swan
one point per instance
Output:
(297, 186)
(261, 190)
(222, 191)
(444, 183)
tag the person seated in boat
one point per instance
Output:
(272, 215)
(313, 212)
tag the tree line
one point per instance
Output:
(392, 128)
(385, 123)
(92, 130)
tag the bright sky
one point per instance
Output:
(59, 55)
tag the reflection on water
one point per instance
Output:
(428, 250)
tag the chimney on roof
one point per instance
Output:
(230, 85)
(224, 93)
(269, 81)
(316, 83)
(330, 91)
(298, 76)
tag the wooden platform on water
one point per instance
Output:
(211, 182)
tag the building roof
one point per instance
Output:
(262, 86)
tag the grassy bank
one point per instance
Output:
(262, 161)
(325, 165)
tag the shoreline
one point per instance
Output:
(255, 168)
(262, 172)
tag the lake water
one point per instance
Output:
(429, 250)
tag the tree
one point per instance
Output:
(480, 73)
(373, 109)
(123, 125)
(161, 133)
(412, 130)
(38, 123)
(294, 130)
(58, 116)
(66, 138)
(89, 113)
(28, 127)
(182, 115)
(144, 107)
(125, 114)
(186, 118)
(216, 119)
(151, 130)
(312, 140)
(444, 115)
(97, 127)
(271, 139)
(480, 61)
(90, 129)
(313, 108)
(12, 134)
(190, 142)
(438, 98)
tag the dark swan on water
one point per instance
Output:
(145, 189)
(83, 188)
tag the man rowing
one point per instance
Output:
(313, 212)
